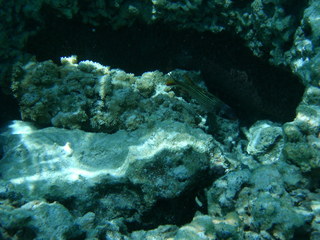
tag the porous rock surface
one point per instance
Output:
(93, 97)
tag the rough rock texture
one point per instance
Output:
(302, 146)
(145, 164)
(92, 97)
(265, 141)
(252, 205)
(154, 148)
(264, 203)
(131, 145)
(304, 57)
(39, 220)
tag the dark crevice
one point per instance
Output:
(9, 109)
(22, 232)
(177, 211)
(180, 210)
(251, 86)
(303, 233)
(241, 4)
(295, 8)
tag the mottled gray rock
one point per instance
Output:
(200, 228)
(154, 146)
(265, 141)
(93, 97)
(39, 220)
(222, 194)
(51, 219)
(303, 134)
(13, 218)
(134, 169)
(257, 200)
(87, 224)
(267, 203)
(304, 57)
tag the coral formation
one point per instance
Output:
(92, 97)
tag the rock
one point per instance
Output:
(39, 220)
(224, 191)
(120, 171)
(199, 228)
(93, 97)
(260, 199)
(161, 233)
(265, 141)
(304, 55)
(303, 140)
(51, 219)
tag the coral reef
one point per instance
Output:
(100, 153)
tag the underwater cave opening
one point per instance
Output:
(251, 86)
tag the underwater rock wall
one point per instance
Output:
(111, 155)
(280, 31)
